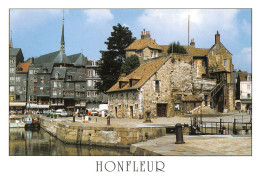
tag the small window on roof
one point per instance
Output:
(57, 75)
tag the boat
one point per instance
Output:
(16, 122)
(30, 123)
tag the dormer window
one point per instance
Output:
(57, 75)
(248, 77)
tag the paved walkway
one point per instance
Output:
(227, 117)
(195, 146)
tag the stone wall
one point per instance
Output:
(106, 136)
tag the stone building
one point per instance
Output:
(165, 86)
(145, 48)
(201, 78)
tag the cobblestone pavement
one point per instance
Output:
(197, 146)
(227, 117)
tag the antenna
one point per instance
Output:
(188, 34)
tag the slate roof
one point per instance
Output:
(47, 58)
(77, 59)
(143, 43)
(243, 75)
(60, 70)
(143, 72)
(24, 66)
(14, 51)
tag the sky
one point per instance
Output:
(38, 31)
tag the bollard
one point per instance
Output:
(148, 113)
(234, 127)
(179, 134)
(74, 118)
(108, 120)
(220, 126)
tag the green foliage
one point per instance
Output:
(130, 64)
(176, 48)
(113, 58)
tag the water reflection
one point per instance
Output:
(40, 143)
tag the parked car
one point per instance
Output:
(63, 113)
(94, 113)
(69, 113)
(105, 111)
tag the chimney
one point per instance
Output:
(31, 60)
(217, 38)
(192, 43)
(142, 35)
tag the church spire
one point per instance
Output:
(11, 42)
(62, 42)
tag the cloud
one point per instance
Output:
(204, 23)
(246, 27)
(98, 15)
(27, 18)
(243, 59)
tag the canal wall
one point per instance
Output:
(101, 135)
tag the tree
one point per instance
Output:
(112, 59)
(130, 64)
(176, 48)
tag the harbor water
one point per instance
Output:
(39, 143)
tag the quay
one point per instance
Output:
(146, 138)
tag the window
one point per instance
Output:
(136, 106)
(57, 75)
(157, 86)
(24, 89)
(248, 77)
(77, 85)
(35, 71)
(34, 88)
(54, 92)
(88, 94)
(30, 71)
(94, 73)
(89, 82)
(93, 63)
(18, 88)
(11, 70)
(59, 84)
(11, 78)
(248, 95)
(35, 79)
(225, 63)
(95, 94)
(177, 107)
(41, 88)
(249, 87)
(42, 79)
(69, 77)
(90, 73)
(94, 83)
(11, 61)
(54, 84)
(18, 79)
(59, 92)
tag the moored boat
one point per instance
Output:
(16, 122)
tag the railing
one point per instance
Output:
(220, 127)
(214, 91)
